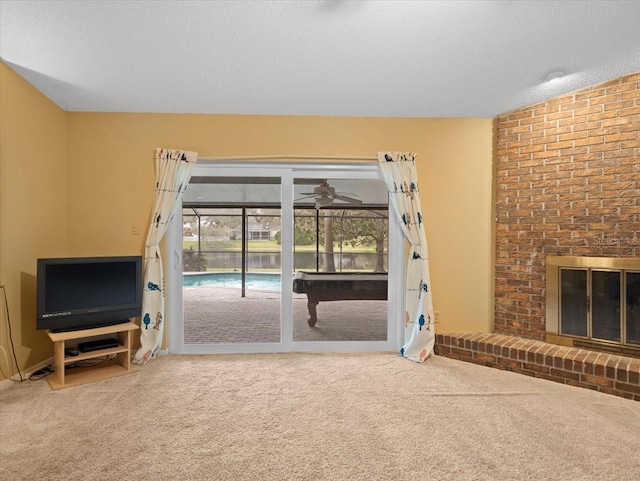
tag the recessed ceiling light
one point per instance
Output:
(554, 74)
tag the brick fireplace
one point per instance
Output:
(567, 184)
(567, 175)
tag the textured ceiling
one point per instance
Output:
(323, 57)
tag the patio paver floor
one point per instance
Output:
(221, 315)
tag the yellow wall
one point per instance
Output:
(33, 208)
(73, 183)
(111, 176)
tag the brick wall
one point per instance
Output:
(568, 182)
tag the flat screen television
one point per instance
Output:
(85, 292)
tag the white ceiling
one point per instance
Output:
(320, 57)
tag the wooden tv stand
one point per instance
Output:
(81, 375)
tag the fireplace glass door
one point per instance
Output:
(600, 304)
(573, 302)
(632, 311)
(605, 305)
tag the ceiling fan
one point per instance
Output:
(325, 195)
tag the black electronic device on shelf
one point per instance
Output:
(91, 346)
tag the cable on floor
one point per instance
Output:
(13, 348)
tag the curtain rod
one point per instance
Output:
(284, 157)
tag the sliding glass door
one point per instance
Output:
(249, 232)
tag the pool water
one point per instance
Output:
(257, 282)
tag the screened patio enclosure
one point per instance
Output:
(232, 258)
(246, 240)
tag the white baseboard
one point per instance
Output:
(4, 384)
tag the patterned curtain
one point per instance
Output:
(173, 171)
(399, 171)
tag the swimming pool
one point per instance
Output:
(257, 282)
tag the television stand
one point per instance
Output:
(105, 370)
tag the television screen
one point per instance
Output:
(81, 293)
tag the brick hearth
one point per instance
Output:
(607, 373)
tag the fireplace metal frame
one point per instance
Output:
(553, 335)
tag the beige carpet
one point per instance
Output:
(317, 417)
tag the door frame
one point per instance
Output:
(287, 172)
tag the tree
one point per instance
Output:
(305, 226)
(366, 228)
(216, 230)
(193, 261)
(328, 264)
(300, 237)
(351, 227)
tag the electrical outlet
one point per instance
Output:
(135, 229)
(436, 315)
